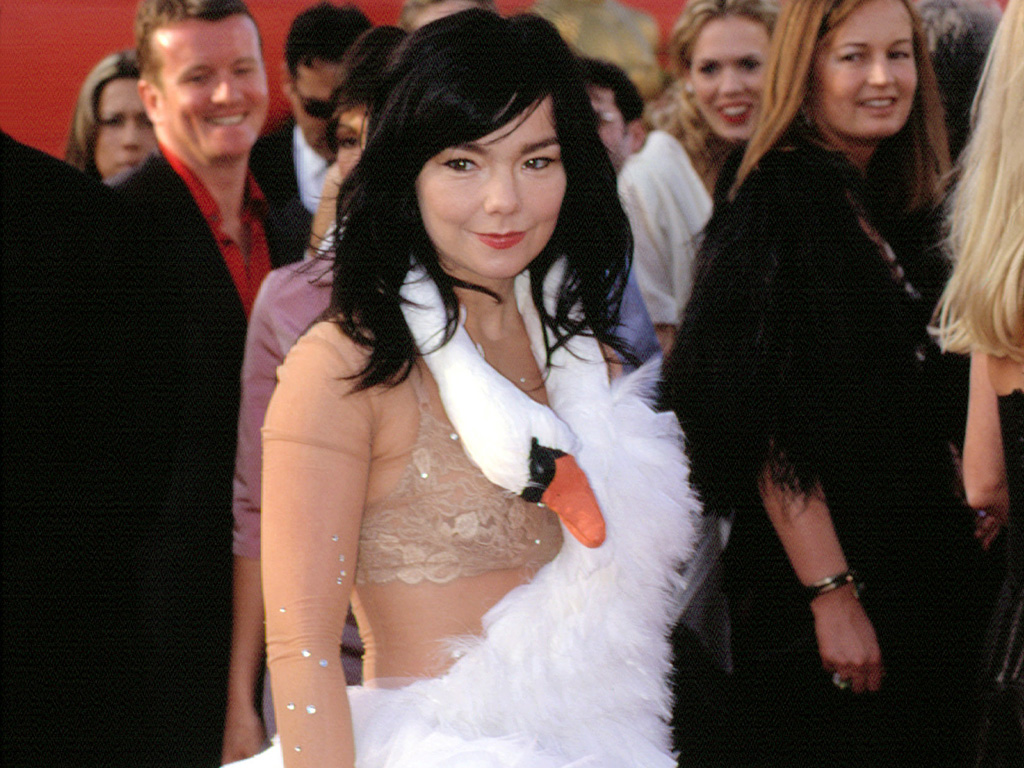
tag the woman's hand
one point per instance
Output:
(243, 734)
(989, 523)
(846, 639)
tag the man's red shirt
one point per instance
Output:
(247, 274)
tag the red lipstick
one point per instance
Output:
(736, 119)
(501, 241)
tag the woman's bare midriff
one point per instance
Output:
(408, 629)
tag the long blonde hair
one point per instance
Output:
(676, 112)
(982, 308)
(911, 166)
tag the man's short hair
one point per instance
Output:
(604, 74)
(152, 15)
(322, 32)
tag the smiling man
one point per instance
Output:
(199, 211)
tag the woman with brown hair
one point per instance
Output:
(802, 378)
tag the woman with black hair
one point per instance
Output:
(447, 450)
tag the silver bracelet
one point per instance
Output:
(830, 583)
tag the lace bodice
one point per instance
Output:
(445, 520)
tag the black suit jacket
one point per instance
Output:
(272, 162)
(187, 470)
(83, 312)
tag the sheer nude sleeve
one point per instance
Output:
(317, 447)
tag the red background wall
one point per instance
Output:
(48, 46)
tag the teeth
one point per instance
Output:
(233, 120)
(879, 102)
(734, 111)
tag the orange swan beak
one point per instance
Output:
(558, 482)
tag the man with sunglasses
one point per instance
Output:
(292, 162)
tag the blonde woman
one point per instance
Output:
(801, 376)
(110, 131)
(718, 49)
(982, 312)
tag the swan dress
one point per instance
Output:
(570, 668)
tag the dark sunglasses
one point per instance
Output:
(318, 108)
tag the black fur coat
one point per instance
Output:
(805, 350)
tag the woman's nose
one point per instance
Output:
(880, 72)
(731, 81)
(502, 193)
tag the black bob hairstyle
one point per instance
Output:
(455, 81)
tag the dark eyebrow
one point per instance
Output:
(862, 44)
(473, 146)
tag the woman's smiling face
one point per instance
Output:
(490, 206)
(726, 74)
(864, 79)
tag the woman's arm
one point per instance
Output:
(984, 468)
(846, 639)
(327, 211)
(317, 442)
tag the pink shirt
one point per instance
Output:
(288, 302)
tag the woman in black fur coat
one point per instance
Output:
(802, 375)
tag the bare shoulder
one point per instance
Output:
(1005, 374)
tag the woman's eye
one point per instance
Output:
(459, 164)
(709, 68)
(348, 142)
(117, 121)
(538, 163)
(750, 64)
(855, 56)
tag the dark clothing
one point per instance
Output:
(1001, 742)
(804, 350)
(272, 162)
(84, 315)
(187, 573)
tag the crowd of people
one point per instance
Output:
(491, 412)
